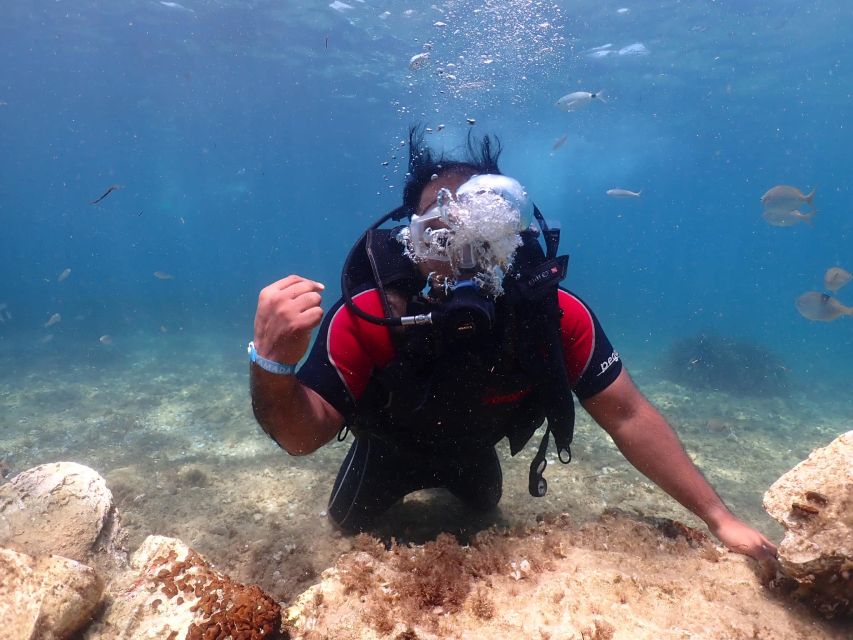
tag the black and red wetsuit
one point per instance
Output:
(444, 428)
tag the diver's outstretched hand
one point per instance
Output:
(741, 538)
(288, 311)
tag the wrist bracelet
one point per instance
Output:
(270, 365)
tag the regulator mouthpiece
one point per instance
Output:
(477, 231)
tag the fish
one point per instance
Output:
(815, 305)
(835, 278)
(782, 218)
(105, 339)
(578, 100)
(559, 142)
(340, 6)
(418, 61)
(162, 275)
(601, 53)
(623, 193)
(106, 193)
(55, 318)
(175, 5)
(62, 276)
(785, 198)
(636, 49)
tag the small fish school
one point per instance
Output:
(782, 208)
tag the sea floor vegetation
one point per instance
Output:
(719, 363)
(168, 423)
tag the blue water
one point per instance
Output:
(250, 136)
(249, 139)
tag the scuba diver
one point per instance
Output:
(452, 333)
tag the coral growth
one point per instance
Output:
(724, 364)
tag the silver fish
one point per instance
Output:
(785, 198)
(578, 100)
(175, 5)
(623, 193)
(53, 320)
(782, 218)
(636, 49)
(821, 307)
(835, 278)
(64, 275)
(162, 275)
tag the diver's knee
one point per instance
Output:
(490, 499)
(350, 521)
(484, 498)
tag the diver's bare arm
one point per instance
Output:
(296, 417)
(649, 443)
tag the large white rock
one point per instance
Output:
(46, 598)
(814, 502)
(61, 508)
(170, 592)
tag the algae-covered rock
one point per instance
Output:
(814, 502)
(618, 578)
(721, 363)
(170, 592)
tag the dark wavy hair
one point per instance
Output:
(481, 156)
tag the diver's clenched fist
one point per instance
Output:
(288, 310)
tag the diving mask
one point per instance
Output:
(476, 232)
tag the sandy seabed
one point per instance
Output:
(167, 422)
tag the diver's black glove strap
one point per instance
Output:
(536, 483)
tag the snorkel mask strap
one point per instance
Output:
(397, 214)
(551, 236)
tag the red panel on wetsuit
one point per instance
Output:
(357, 346)
(578, 335)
